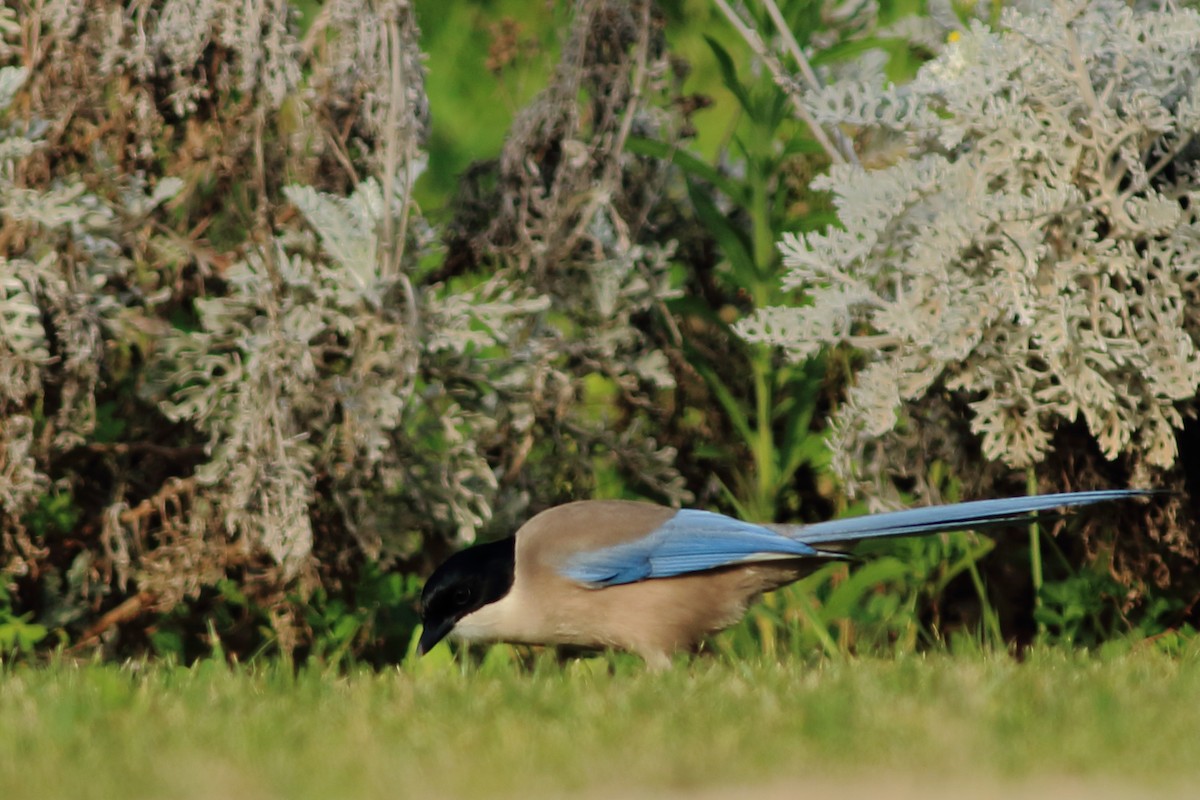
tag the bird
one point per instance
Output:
(653, 580)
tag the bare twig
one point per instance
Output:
(793, 47)
(1170, 155)
(130, 448)
(262, 216)
(394, 133)
(316, 32)
(170, 491)
(128, 610)
(837, 154)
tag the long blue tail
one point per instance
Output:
(958, 516)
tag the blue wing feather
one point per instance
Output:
(690, 541)
(957, 516)
(694, 541)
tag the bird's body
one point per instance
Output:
(652, 580)
(652, 618)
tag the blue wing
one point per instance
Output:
(693, 541)
(690, 541)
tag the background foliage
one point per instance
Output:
(1022, 281)
(288, 310)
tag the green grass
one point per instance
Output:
(603, 727)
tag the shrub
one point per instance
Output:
(233, 363)
(1027, 261)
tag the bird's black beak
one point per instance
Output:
(432, 633)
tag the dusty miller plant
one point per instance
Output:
(310, 369)
(230, 358)
(60, 285)
(279, 399)
(326, 362)
(121, 85)
(1032, 253)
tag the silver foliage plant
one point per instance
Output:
(326, 390)
(23, 345)
(58, 307)
(88, 273)
(325, 361)
(312, 365)
(1034, 251)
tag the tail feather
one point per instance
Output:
(958, 516)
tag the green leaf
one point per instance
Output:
(800, 445)
(815, 221)
(802, 144)
(862, 581)
(729, 72)
(733, 242)
(20, 635)
(110, 427)
(729, 403)
(780, 109)
(691, 306)
(690, 164)
(973, 554)
(853, 48)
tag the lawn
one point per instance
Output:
(1058, 723)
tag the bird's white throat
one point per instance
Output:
(496, 622)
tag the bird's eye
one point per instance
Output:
(462, 595)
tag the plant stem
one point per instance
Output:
(752, 38)
(1035, 553)
(763, 246)
(991, 621)
(812, 616)
(764, 446)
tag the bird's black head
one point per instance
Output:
(466, 582)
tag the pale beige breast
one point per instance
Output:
(656, 617)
